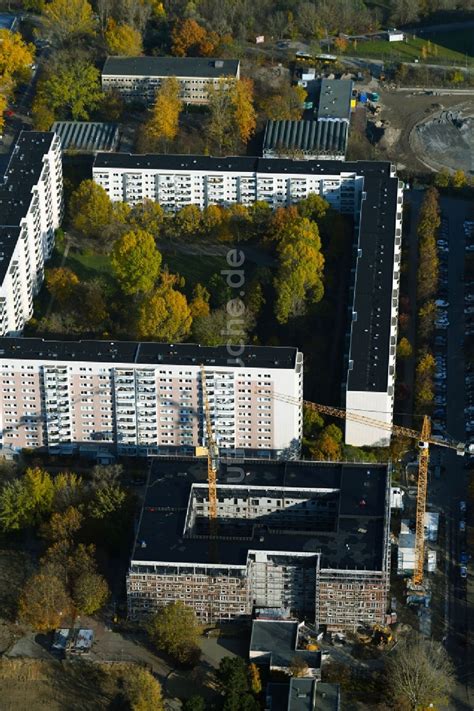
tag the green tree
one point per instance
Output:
(404, 349)
(174, 628)
(164, 315)
(314, 207)
(65, 19)
(220, 328)
(44, 602)
(195, 703)
(328, 444)
(15, 506)
(285, 104)
(90, 592)
(232, 675)
(136, 262)
(147, 215)
(443, 178)
(187, 221)
(107, 500)
(71, 89)
(90, 209)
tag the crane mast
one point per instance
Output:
(212, 458)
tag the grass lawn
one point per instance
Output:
(194, 268)
(411, 49)
(457, 40)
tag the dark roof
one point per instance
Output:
(8, 22)
(87, 135)
(335, 99)
(145, 353)
(310, 136)
(22, 174)
(302, 694)
(170, 67)
(278, 639)
(239, 164)
(370, 333)
(355, 540)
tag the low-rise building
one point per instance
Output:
(306, 139)
(31, 207)
(87, 136)
(277, 644)
(302, 694)
(308, 538)
(139, 78)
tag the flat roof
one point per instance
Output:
(170, 67)
(335, 99)
(302, 694)
(356, 543)
(21, 172)
(146, 353)
(279, 639)
(87, 135)
(370, 333)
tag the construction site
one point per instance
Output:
(307, 539)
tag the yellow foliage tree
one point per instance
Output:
(245, 115)
(44, 602)
(341, 44)
(143, 691)
(199, 306)
(189, 37)
(63, 19)
(123, 39)
(16, 56)
(254, 678)
(3, 106)
(61, 283)
(164, 315)
(459, 179)
(164, 120)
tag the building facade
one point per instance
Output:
(308, 539)
(146, 398)
(31, 206)
(370, 192)
(139, 78)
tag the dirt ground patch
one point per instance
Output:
(403, 112)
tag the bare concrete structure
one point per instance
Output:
(308, 538)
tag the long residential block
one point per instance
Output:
(146, 398)
(368, 191)
(31, 206)
(139, 78)
(309, 540)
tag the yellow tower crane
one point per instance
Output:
(424, 440)
(212, 459)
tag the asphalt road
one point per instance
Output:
(446, 492)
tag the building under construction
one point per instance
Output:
(310, 539)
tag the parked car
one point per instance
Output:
(462, 506)
(462, 525)
(464, 557)
(463, 571)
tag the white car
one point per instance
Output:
(462, 506)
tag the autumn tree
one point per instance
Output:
(199, 306)
(220, 128)
(164, 120)
(90, 209)
(298, 667)
(90, 592)
(187, 221)
(428, 262)
(63, 525)
(426, 321)
(244, 112)
(142, 690)
(64, 20)
(16, 56)
(419, 673)
(26, 501)
(443, 178)
(189, 38)
(341, 44)
(299, 278)
(328, 444)
(404, 349)
(90, 307)
(174, 629)
(61, 283)
(254, 679)
(285, 104)
(459, 179)
(44, 602)
(123, 39)
(136, 262)
(164, 315)
(70, 89)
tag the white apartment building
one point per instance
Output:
(139, 78)
(369, 191)
(31, 206)
(146, 398)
